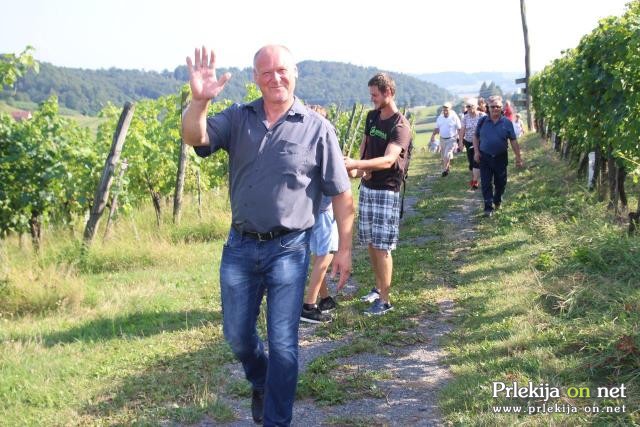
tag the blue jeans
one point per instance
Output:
(493, 172)
(248, 269)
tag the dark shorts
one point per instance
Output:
(472, 163)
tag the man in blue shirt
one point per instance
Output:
(491, 145)
(282, 159)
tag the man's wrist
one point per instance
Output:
(200, 103)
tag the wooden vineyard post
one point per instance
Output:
(182, 165)
(114, 199)
(102, 192)
(527, 62)
(354, 133)
(345, 148)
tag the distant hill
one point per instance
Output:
(461, 84)
(323, 82)
(320, 82)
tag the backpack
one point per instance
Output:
(404, 168)
(403, 163)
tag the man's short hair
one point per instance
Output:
(495, 98)
(383, 81)
(270, 46)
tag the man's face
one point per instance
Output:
(380, 99)
(275, 74)
(445, 111)
(495, 109)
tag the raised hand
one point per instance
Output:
(202, 76)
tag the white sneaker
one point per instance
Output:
(373, 295)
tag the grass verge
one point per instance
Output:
(547, 294)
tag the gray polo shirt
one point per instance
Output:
(278, 175)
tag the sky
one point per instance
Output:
(401, 36)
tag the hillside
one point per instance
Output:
(320, 82)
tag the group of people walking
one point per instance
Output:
(290, 193)
(485, 132)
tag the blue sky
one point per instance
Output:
(410, 37)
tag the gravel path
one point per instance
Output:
(415, 372)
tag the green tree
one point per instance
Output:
(47, 170)
(590, 96)
(13, 67)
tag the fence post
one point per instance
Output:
(102, 192)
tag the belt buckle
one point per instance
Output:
(265, 237)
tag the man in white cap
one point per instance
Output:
(447, 125)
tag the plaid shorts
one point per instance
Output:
(379, 218)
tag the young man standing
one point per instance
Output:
(382, 155)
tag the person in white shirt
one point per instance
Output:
(517, 126)
(447, 125)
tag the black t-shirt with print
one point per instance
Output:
(379, 133)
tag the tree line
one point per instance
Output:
(320, 82)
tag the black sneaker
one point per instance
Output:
(445, 172)
(314, 315)
(327, 305)
(257, 405)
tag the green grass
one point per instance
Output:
(130, 331)
(142, 340)
(425, 122)
(137, 338)
(548, 294)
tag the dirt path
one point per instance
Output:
(416, 372)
